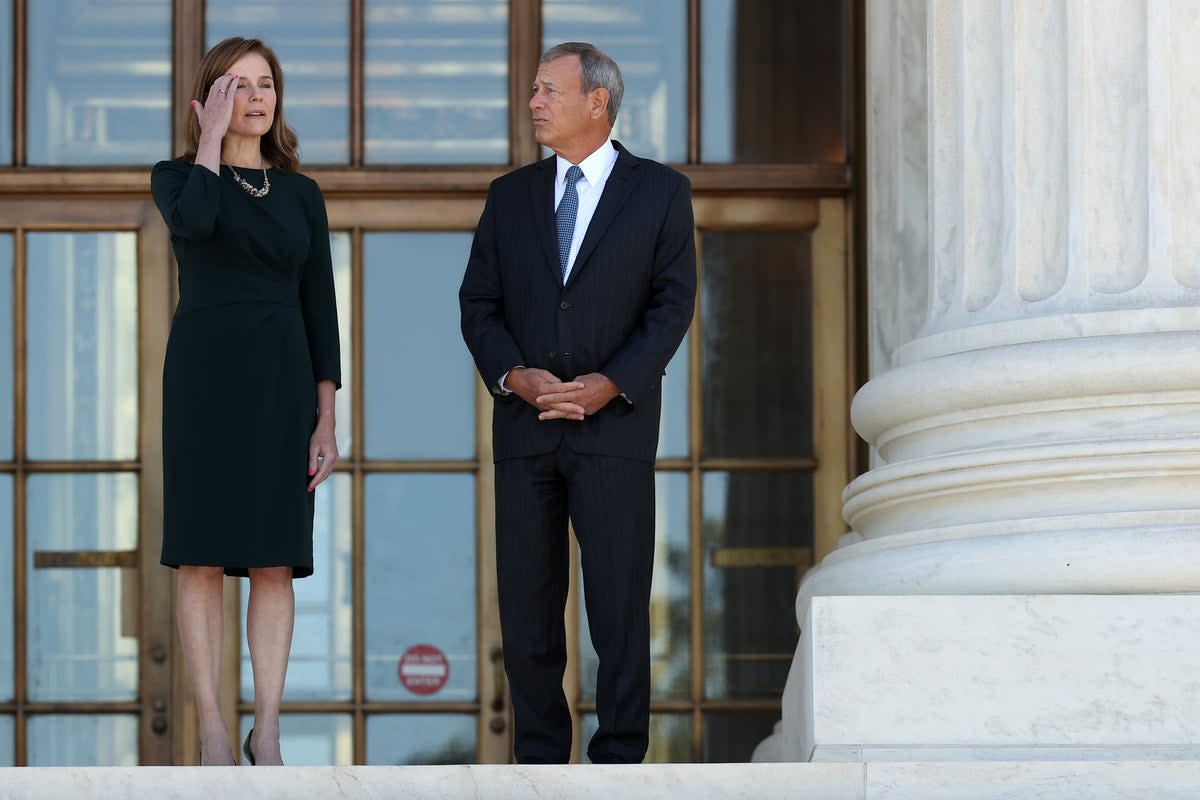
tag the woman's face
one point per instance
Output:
(254, 100)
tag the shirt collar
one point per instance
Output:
(594, 166)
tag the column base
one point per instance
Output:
(996, 677)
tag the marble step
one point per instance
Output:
(1078, 780)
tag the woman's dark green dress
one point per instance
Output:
(255, 330)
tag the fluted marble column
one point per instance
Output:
(1034, 259)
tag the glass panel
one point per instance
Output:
(732, 736)
(401, 739)
(412, 337)
(6, 347)
(6, 110)
(436, 82)
(649, 43)
(6, 596)
(669, 650)
(420, 592)
(82, 644)
(83, 740)
(82, 347)
(670, 738)
(343, 284)
(750, 590)
(673, 432)
(757, 303)
(7, 737)
(99, 80)
(311, 740)
(312, 40)
(319, 666)
(773, 81)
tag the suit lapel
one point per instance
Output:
(617, 188)
(543, 213)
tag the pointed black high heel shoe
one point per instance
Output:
(246, 747)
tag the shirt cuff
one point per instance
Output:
(501, 388)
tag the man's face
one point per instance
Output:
(562, 113)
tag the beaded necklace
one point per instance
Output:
(249, 187)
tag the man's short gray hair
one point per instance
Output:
(596, 71)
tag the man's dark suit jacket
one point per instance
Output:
(624, 310)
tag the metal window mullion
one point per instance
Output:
(693, 81)
(494, 704)
(187, 48)
(696, 512)
(20, 68)
(358, 649)
(524, 47)
(20, 633)
(357, 80)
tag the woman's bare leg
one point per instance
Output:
(200, 615)
(269, 623)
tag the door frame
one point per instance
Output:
(156, 712)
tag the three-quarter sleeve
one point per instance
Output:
(187, 196)
(317, 297)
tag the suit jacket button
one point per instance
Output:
(564, 305)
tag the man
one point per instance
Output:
(579, 288)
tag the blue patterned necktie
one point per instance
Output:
(564, 218)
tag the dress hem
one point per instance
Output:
(298, 571)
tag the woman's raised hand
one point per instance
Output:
(215, 113)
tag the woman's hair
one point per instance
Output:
(280, 142)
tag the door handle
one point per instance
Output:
(84, 559)
(734, 557)
(496, 656)
(127, 560)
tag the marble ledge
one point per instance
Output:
(877, 781)
(474, 782)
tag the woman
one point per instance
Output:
(251, 369)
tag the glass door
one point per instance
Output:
(86, 673)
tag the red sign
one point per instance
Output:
(423, 669)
